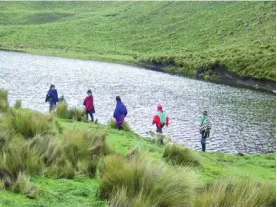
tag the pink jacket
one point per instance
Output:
(89, 103)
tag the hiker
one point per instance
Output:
(88, 103)
(205, 127)
(161, 120)
(52, 97)
(120, 113)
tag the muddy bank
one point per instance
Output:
(220, 75)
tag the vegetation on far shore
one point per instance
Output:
(49, 161)
(180, 36)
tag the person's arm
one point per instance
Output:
(154, 120)
(85, 101)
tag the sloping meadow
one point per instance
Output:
(34, 144)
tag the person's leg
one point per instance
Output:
(87, 113)
(159, 130)
(203, 142)
(91, 116)
(51, 106)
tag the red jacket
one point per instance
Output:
(157, 121)
(89, 103)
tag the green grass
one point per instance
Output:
(236, 191)
(137, 181)
(88, 164)
(179, 155)
(73, 192)
(182, 36)
(4, 105)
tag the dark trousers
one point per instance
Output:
(160, 129)
(203, 141)
(52, 106)
(89, 113)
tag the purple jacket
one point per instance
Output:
(52, 96)
(120, 112)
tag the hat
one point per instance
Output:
(118, 98)
(205, 112)
(160, 107)
(89, 91)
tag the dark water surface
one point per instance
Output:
(243, 120)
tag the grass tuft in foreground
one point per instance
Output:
(4, 104)
(62, 111)
(180, 155)
(236, 191)
(140, 182)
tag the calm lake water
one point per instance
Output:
(243, 120)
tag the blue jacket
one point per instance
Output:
(52, 96)
(120, 112)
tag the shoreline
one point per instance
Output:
(225, 77)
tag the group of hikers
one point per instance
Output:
(160, 119)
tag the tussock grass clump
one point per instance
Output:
(179, 155)
(61, 110)
(17, 104)
(4, 104)
(31, 123)
(77, 114)
(47, 146)
(73, 113)
(78, 153)
(236, 191)
(24, 185)
(112, 124)
(140, 182)
(5, 138)
(78, 145)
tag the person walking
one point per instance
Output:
(205, 127)
(88, 103)
(52, 97)
(160, 119)
(120, 113)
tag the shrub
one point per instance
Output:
(31, 123)
(112, 124)
(17, 104)
(140, 182)
(236, 191)
(180, 155)
(4, 104)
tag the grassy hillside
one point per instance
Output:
(48, 161)
(182, 36)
